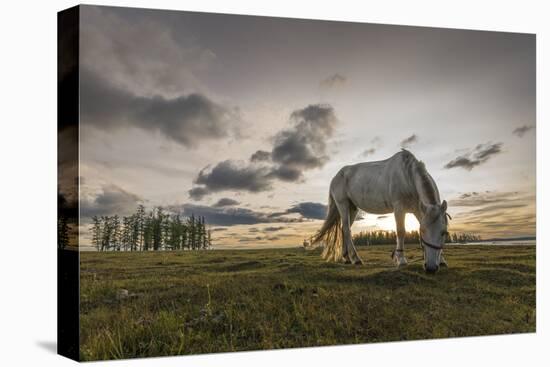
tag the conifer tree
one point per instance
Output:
(96, 232)
(140, 218)
(115, 222)
(62, 233)
(184, 237)
(192, 232)
(157, 229)
(204, 238)
(125, 235)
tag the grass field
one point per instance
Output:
(234, 300)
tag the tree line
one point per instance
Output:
(150, 231)
(365, 238)
(62, 232)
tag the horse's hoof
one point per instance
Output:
(358, 262)
(443, 265)
(401, 263)
(345, 259)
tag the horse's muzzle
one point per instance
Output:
(431, 269)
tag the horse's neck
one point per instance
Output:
(425, 187)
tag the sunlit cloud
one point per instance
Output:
(495, 214)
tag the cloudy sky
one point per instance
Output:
(245, 120)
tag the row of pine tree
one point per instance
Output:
(390, 237)
(150, 231)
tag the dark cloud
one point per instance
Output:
(141, 52)
(229, 216)
(304, 145)
(288, 174)
(236, 176)
(232, 215)
(307, 210)
(112, 200)
(225, 202)
(295, 150)
(199, 192)
(367, 152)
(260, 156)
(335, 80)
(186, 120)
(407, 142)
(310, 210)
(480, 154)
(231, 175)
(520, 131)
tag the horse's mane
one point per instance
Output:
(417, 169)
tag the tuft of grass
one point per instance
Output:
(235, 300)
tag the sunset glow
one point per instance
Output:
(249, 136)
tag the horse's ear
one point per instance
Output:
(444, 206)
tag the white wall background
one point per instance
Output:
(28, 182)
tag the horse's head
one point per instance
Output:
(433, 232)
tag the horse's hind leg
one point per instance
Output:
(340, 251)
(349, 253)
(343, 210)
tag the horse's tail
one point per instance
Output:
(330, 233)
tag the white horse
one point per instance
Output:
(399, 184)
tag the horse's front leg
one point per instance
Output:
(398, 254)
(354, 256)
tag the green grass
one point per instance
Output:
(234, 300)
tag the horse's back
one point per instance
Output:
(369, 185)
(395, 163)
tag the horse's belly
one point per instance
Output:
(373, 205)
(376, 209)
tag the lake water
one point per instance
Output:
(498, 243)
